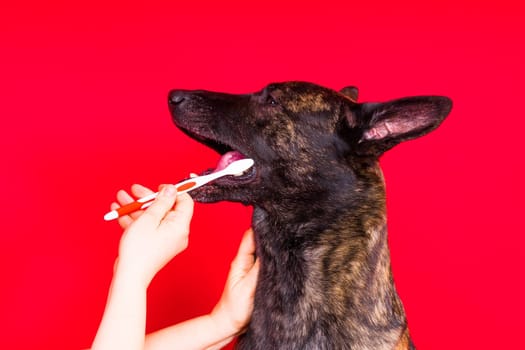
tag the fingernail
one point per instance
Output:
(169, 190)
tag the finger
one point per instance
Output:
(162, 204)
(140, 191)
(124, 198)
(250, 279)
(247, 246)
(181, 216)
(124, 221)
(245, 258)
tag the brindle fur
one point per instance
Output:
(319, 207)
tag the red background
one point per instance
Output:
(83, 89)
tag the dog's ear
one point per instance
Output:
(351, 92)
(384, 125)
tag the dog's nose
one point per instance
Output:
(176, 97)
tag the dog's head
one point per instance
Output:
(304, 138)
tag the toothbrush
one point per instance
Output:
(235, 168)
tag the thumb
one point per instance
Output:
(162, 204)
(245, 257)
(180, 217)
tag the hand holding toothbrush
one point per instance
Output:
(151, 238)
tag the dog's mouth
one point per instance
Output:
(228, 155)
(225, 160)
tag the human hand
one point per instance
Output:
(235, 307)
(154, 236)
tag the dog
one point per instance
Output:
(319, 214)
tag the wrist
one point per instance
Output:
(130, 274)
(224, 322)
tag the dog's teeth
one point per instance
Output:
(193, 175)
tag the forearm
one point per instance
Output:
(124, 320)
(202, 333)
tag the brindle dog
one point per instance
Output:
(319, 206)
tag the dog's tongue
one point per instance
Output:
(227, 159)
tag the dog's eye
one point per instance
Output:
(270, 100)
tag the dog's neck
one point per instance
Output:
(350, 209)
(336, 264)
